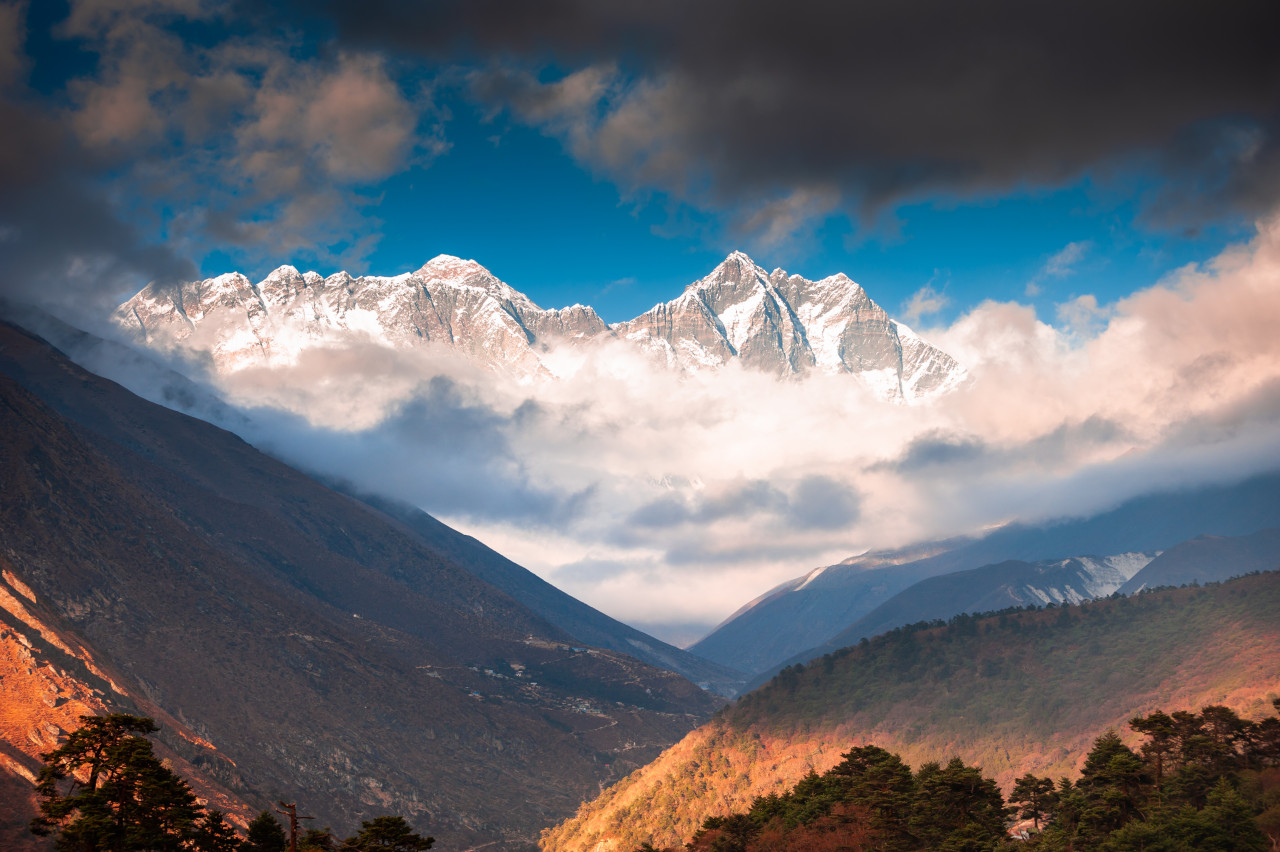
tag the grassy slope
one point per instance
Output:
(1023, 692)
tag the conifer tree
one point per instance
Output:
(265, 835)
(1034, 798)
(128, 800)
(388, 834)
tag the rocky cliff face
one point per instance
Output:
(774, 322)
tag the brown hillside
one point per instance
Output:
(1024, 692)
(327, 655)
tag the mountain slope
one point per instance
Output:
(803, 613)
(566, 612)
(1209, 559)
(774, 322)
(49, 678)
(327, 654)
(995, 587)
(796, 619)
(1013, 693)
(586, 624)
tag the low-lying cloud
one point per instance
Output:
(660, 497)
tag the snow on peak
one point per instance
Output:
(905, 332)
(284, 271)
(780, 323)
(741, 258)
(448, 266)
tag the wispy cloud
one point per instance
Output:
(168, 148)
(1061, 264)
(924, 302)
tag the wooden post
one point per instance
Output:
(291, 811)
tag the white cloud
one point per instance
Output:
(924, 302)
(1060, 265)
(255, 145)
(660, 497)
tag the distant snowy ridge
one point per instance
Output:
(1079, 579)
(773, 322)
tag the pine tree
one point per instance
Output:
(1034, 797)
(388, 834)
(214, 834)
(265, 835)
(128, 799)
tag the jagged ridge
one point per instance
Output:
(775, 322)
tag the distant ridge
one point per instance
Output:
(785, 626)
(773, 322)
(1209, 559)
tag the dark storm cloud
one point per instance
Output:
(823, 503)
(61, 242)
(938, 449)
(730, 102)
(815, 503)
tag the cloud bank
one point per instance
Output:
(172, 145)
(780, 113)
(662, 498)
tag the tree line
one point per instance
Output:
(104, 790)
(1198, 782)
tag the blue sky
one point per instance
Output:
(552, 229)
(508, 133)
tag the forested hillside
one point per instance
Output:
(1018, 692)
(1198, 782)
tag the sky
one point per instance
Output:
(1076, 201)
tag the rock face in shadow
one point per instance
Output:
(328, 654)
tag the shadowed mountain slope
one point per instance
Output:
(586, 624)
(784, 625)
(565, 611)
(331, 657)
(1013, 693)
(1209, 559)
(994, 587)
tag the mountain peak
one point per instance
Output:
(778, 323)
(449, 266)
(283, 271)
(739, 257)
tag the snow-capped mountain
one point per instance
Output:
(449, 301)
(787, 324)
(774, 322)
